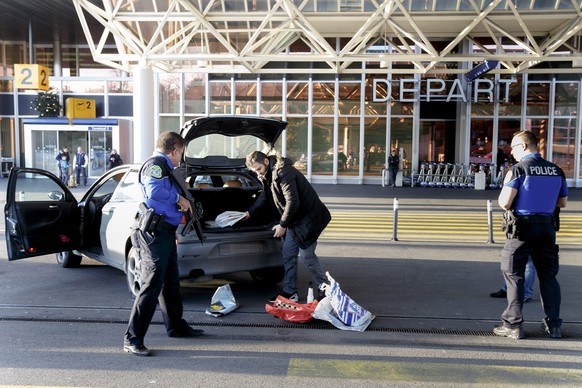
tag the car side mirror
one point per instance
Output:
(56, 195)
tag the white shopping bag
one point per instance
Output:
(222, 302)
(341, 310)
(228, 218)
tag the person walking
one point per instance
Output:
(393, 164)
(157, 248)
(302, 216)
(533, 188)
(114, 159)
(80, 164)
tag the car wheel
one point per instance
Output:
(270, 276)
(133, 272)
(68, 259)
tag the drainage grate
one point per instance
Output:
(308, 326)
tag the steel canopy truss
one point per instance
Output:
(287, 36)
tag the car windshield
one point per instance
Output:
(219, 145)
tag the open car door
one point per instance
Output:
(41, 214)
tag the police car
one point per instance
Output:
(43, 216)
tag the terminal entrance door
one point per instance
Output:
(437, 141)
(47, 144)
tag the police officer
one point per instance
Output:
(533, 189)
(158, 254)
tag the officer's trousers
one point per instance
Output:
(159, 271)
(539, 241)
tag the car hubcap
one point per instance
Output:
(134, 273)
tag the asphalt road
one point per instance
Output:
(432, 326)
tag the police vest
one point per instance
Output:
(539, 183)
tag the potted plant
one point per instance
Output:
(47, 104)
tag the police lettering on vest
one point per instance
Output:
(543, 170)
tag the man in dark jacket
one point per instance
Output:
(393, 164)
(302, 216)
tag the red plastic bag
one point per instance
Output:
(291, 311)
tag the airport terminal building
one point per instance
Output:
(440, 81)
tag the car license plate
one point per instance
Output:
(240, 249)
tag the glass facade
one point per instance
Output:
(341, 128)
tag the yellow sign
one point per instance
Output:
(31, 77)
(80, 108)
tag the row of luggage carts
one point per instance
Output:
(451, 175)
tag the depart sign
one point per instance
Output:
(436, 89)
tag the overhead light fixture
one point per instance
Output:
(481, 69)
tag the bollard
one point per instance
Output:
(490, 221)
(395, 221)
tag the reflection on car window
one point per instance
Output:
(128, 188)
(37, 187)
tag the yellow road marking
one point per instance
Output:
(432, 226)
(460, 373)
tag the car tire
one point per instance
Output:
(68, 259)
(268, 276)
(133, 272)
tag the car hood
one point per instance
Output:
(267, 130)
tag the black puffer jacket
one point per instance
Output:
(299, 206)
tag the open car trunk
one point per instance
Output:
(227, 191)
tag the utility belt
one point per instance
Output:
(512, 223)
(148, 221)
(535, 219)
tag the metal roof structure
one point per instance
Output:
(328, 36)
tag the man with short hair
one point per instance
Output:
(302, 216)
(158, 251)
(80, 164)
(533, 189)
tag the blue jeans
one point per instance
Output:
(291, 251)
(530, 278)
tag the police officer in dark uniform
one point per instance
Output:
(158, 254)
(533, 189)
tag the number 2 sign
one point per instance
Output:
(31, 77)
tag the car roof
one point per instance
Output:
(265, 129)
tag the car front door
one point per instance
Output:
(41, 215)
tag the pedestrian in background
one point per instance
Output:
(114, 159)
(59, 158)
(157, 248)
(302, 216)
(65, 152)
(80, 164)
(533, 188)
(64, 169)
(393, 165)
